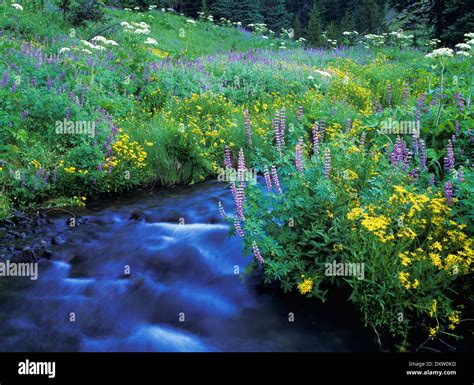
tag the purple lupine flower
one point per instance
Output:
(377, 106)
(48, 80)
(282, 125)
(99, 167)
(327, 163)
(348, 125)
(449, 191)
(456, 127)
(449, 158)
(13, 88)
(221, 210)
(459, 102)
(241, 169)
(38, 174)
(237, 228)
(423, 155)
(276, 129)
(233, 189)
(45, 179)
(109, 170)
(322, 130)
(419, 104)
(276, 181)
(72, 96)
(432, 179)
(316, 138)
(257, 254)
(398, 152)
(227, 160)
(413, 173)
(5, 79)
(300, 113)
(460, 175)
(68, 113)
(406, 160)
(299, 156)
(239, 201)
(415, 142)
(268, 180)
(25, 114)
(247, 128)
(406, 89)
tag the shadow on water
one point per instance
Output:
(155, 272)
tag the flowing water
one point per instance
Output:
(165, 281)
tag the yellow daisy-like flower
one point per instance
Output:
(306, 286)
(433, 331)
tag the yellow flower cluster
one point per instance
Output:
(376, 224)
(306, 285)
(35, 163)
(455, 319)
(404, 278)
(129, 151)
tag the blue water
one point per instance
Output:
(182, 293)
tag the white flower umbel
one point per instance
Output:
(142, 25)
(469, 35)
(440, 52)
(17, 6)
(141, 31)
(463, 53)
(64, 49)
(151, 41)
(99, 39)
(463, 46)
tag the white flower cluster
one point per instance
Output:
(350, 33)
(329, 41)
(151, 41)
(141, 28)
(290, 33)
(152, 7)
(323, 73)
(17, 6)
(93, 46)
(191, 21)
(374, 40)
(399, 38)
(433, 42)
(102, 39)
(440, 52)
(258, 27)
(464, 49)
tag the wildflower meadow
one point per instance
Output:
(349, 164)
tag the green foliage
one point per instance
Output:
(315, 28)
(80, 11)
